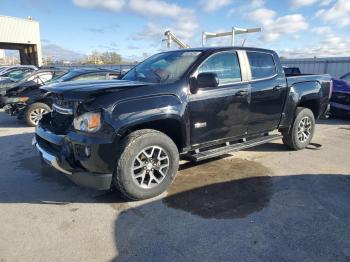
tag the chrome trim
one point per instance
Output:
(244, 64)
(62, 110)
(50, 159)
(200, 124)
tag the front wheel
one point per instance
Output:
(147, 164)
(302, 130)
(35, 112)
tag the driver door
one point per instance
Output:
(221, 112)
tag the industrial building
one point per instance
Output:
(335, 66)
(22, 35)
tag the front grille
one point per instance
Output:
(61, 118)
(60, 123)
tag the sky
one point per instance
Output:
(71, 29)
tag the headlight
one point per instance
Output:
(23, 99)
(88, 122)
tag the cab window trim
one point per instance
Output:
(195, 73)
(262, 78)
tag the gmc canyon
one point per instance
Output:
(190, 103)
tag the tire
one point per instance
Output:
(147, 164)
(302, 130)
(34, 113)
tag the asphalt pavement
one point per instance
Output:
(262, 204)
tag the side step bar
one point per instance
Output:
(215, 152)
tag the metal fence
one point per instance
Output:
(335, 66)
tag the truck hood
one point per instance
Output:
(82, 89)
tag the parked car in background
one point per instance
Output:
(340, 100)
(39, 77)
(291, 71)
(26, 100)
(3, 68)
(198, 103)
(14, 73)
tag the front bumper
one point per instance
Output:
(12, 105)
(63, 153)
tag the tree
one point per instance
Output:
(102, 58)
(111, 58)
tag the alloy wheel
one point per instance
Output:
(37, 114)
(150, 167)
(304, 129)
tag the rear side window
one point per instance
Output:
(262, 65)
(91, 77)
(225, 65)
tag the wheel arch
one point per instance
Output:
(171, 126)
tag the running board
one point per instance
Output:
(203, 155)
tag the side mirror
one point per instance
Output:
(204, 80)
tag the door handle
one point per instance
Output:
(241, 93)
(277, 88)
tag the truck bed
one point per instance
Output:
(291, 80)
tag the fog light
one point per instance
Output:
(87, 151)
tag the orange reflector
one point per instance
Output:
(95, 121)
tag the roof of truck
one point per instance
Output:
(219, 48)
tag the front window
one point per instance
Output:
(346, 77)
(225, 65)
(165, 67)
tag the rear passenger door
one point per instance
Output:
(221, 112)
(268, 91)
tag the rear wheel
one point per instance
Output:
(302, 130)
(147, 164)
(35, 112)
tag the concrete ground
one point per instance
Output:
(262, 204)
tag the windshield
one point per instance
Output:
(62, 78)
(20, 77)
(165, 67)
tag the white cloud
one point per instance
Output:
(182, 20)
(110, 5)
(325, 2)
(158, 8)
(275, 27)
(302, 3)
(254, 4)
(339, 13)
(262, 15)
(151, 30)
(211, 6)
(322, 30)
(331, 46)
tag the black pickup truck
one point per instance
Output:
(189, 103)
